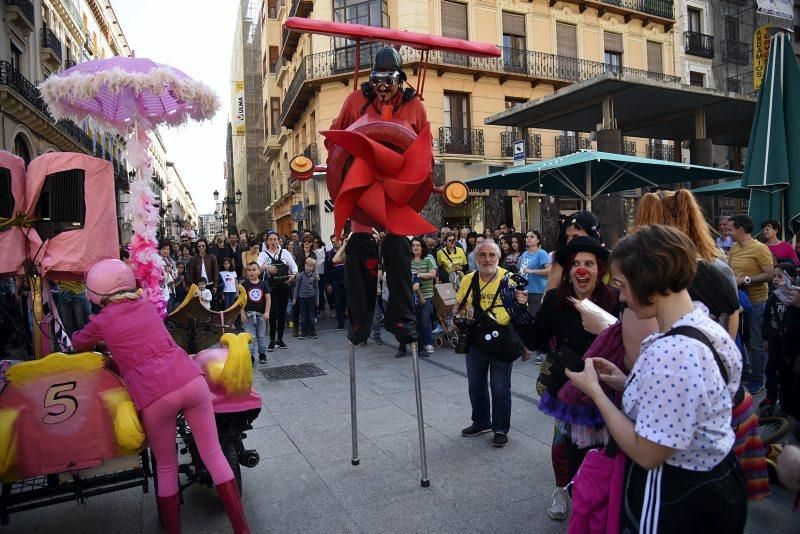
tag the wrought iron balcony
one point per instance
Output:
(49, 40)
(698, 44)
(76, 133)
(514, 63)
(661, 151)
(26, 8)
(629, 148)
(533, 144)
(461, 141)
(289, 39)
(659, 11)
(569, 144)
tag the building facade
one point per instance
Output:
(181, 206)
(247, 165)
(546, 44)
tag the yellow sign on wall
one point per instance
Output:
(761, 40)
(238, 108)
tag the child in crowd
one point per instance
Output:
(306, 296)
(227, 278)
(205, 294)
(181, 289)
(256, 312)
(779, 375)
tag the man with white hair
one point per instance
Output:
(479, 293)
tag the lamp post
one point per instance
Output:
(228, 209)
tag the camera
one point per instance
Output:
(463, 331)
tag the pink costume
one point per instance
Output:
(162, 381)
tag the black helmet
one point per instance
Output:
(388, 59)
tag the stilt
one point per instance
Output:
(423, 457)
(353, 420)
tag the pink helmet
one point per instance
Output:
(107, 278)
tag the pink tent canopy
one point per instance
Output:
(12, 239)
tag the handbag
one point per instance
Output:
(501, 342)
(282, 273)
(597, 492)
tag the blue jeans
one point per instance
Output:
(74, 310)
(424, 327)
(308, 315)
(377, 321)
(755, 359)
(479, 365)
(229, 299)
(256, 326)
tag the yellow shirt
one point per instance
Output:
(447, 259)
(487, 294)
(748, 260)
(76, 288)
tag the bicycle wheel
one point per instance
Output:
(772, 429)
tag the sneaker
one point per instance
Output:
(271, 346)
(437, 330)
(281, 344)
(262, 358)
(473, 430)
(429, 349)
(559, 504)
(301, 336)
(399, 353)
(314, 335)
(339, 328)
(499, 440)
(333, 315)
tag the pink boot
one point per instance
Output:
(229, 494)
(169, 510)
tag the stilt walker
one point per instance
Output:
(379, 174)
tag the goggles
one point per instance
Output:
(387, 79)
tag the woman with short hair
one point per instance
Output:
(782, 250)
(674, 424)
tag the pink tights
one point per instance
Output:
(159, 423)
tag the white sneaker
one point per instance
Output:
(559, 504)
(429, 349)
(437, 330)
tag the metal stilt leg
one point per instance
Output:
(423, 457)
(353, 420)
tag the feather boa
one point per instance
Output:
(143, 209)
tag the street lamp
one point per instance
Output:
(227, 207)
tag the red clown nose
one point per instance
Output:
(581, 271)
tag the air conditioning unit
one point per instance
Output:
(61, 206)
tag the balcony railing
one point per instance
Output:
(661, 151)
(698, 44)
(569, 144)
(533, 144)
(513, 63)
(49, 40)
(10, 77)
(641, 9)
(461, 141)
(311, 153)
(629, 148)
(299, 8)
(26, 6)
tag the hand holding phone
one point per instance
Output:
(570, 360)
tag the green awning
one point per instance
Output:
(732, 189)
(588, 174)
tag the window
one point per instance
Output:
(613, 51)
(275, 115)
(655, 62)
(366, 12)
(697, 79)
(456, 131)
(273, 58)
(454, 24)
(567, 50)
(272, 9)
(695, 17)
(16, 57)
(733, 85)
(514, 42)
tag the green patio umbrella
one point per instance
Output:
(589, 174)
(731, 189)
(772, 169)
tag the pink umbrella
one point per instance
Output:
(131, 96)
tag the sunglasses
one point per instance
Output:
(387, 79)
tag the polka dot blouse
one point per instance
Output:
(676, 395)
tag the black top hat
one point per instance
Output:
(581, 244)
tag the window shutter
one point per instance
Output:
(654, 57)
(454, 20)
(567, 40)
(514, 24)
(613, 42)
